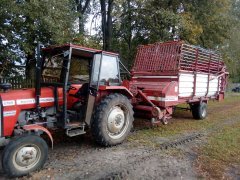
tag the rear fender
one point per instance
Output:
(34, 127)
(105, 91)
(117, 89)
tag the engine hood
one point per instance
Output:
(26, 97)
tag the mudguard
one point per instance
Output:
(37, 128)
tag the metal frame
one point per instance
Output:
(64, 113)
(100, 68)
(63, 117)
(38, 76)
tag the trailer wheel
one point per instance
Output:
(199, 111)
(112, 120)
(24, 155)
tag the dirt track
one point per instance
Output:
(81, 158)
(84, 160)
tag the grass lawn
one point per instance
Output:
(221, 153)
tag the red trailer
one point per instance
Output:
(167, 74)
(79, 89)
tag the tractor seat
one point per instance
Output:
(5, 86)
(83, 91)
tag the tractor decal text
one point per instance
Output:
(48, 99)
(9, 103)
(166, 99)
(9, 113)
(25, 101)
(32, 101)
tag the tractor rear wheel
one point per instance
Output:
(112, 120)
(24, 155)
(199, 111)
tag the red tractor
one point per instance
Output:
(79, 88)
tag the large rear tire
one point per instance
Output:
(24, 155)
(112, 120)
(199, 111)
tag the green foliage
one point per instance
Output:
(190, 29)
(212, 21)
(88, 41)
(231, 49)
(45, 21)
(26, 22)
(7, 50)
(205, 23)
(212, 24)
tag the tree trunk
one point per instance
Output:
(103, 13)
(107, 25)
(109, 31)
(129, 32)
(81, 9)
(81, 24)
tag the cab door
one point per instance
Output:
(105, 72)
(93, 86)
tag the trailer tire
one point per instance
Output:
(112, 120)
(199, 111)
(24, 155)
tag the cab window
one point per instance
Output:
(108, 69)
(79, 70)
(109, 74)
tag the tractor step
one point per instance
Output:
(75, 129)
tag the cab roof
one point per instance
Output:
(77, 50)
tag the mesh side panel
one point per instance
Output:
(198, 59)
(175, 56)
(158, 57)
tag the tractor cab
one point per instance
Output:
(78, 72)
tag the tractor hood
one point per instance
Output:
(25, 98)
(14, 101)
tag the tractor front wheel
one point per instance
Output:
(24, 155)
(112, 120)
